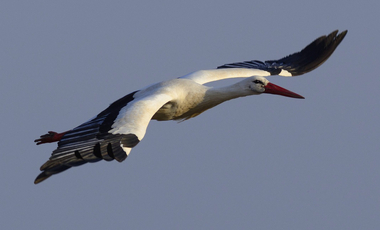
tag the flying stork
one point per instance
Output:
(116, 130)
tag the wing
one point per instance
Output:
(110, 135)
(312, 56)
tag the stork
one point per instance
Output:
(116, 130)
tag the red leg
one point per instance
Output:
(50, 137)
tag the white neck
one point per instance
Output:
(215, 96)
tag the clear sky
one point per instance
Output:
(260, 162)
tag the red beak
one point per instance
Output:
(275, 89)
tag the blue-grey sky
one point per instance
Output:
(260, 162)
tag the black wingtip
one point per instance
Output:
(48, 172)
(312, 56)
(111, 146)
(309, 58)
(41, 177)
(342, 35)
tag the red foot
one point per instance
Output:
(50, 137)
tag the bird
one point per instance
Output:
(112, 133)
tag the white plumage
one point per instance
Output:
(116, 130)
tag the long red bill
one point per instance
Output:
(275, 89)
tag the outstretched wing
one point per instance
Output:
(312, 56)
(295, 64)
(110, 135)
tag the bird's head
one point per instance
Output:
(259, 85)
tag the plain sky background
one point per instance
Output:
(260, 162)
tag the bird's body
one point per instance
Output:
(116, 130)
(187, 97)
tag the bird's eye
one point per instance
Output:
(258, 82)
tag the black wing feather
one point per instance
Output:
(312, 56)
(90, 142)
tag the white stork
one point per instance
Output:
(120, 127)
